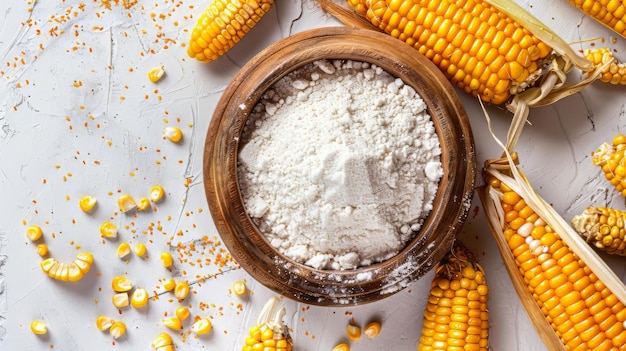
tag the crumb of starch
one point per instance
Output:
(339, 164)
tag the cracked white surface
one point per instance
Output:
(101, 131)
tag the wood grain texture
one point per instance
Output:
(250, 248)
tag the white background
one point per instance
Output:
(78, 116)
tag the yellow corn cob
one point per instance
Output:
(222, 25)
(611, 159)
(614, 72)
(480, 49)
(611, 13)
(604, 228)
(582, 311)
(456, 315)
(270, 333)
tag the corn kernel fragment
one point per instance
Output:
(202, 326)
(108, 230)
(182, 313)
(87, 203)
(120, 300)
(162, 340)
(167, 259)
(126, 203)
(372, 330)
(169, 284)
(34, 233)
(239, 288)
(342, 347)
(156, 73)
(174, 134)
(140, 249)
(181, 290)
(173, 323)
(42, 249)
(156, 193)
(117, 329)
(121, 284)
(139, 298)
(353, 331)
(38, 327)
(123, 250)
(143, 204)
(104, 323)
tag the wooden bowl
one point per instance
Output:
(251, 249)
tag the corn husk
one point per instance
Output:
(506, 170)
(552, 86)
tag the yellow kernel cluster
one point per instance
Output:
(69, 272)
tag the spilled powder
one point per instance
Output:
(339, 164)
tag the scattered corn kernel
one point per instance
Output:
(173, 323)
(139, 298)
(34, 232)
(239, 288)
(42, 249)
(126, 203)
(372, 330)
(182, 313)
(143, 204)
(353, 331)
(181, 290)
(173, 133)
(108, 230)
(342, 347)
(167, 259)
(87, 203)
(104, 323)
(162, 340)
(140, 249)
(120, 300)
(156, 74)
(117, 329)
(169, 284)
(156, 193)
(201, 326)
(121, 284)
(123, 250)
(38, 327)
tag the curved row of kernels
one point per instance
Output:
(574, 301)
(70, 272)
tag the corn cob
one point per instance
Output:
(582, 311)
(614, 72)
(270, 333)
(222, 25)
(611, 13)
(456, 316)
(484, 47)
(611, 159)
(603, 228)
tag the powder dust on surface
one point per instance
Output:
(339, 164)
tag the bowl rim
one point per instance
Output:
(251, 249)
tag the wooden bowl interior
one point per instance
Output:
(252, 250)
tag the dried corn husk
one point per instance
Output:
(506, 170)
(553, 85)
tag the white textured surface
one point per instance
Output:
(97, 140)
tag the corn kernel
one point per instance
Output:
(62, 272)
(342, 347)
(156, 193)
(108, 230)
(201, 326)
(74, 273)
(169, 285)
(48, 264)
(104, 323)
(85, 256)
(120, 300)
(353, 331)
(123, 250)
(161, 340)
(167, 259)
(139, 298)
(38, 327)
(173, 134)
(34, 232)
(82, 265)
(156, 74)
(181, 290)
(42, 249)
(239, 288)
(117, 329)
(140, 249)
(372, 330)
(87, 203)
(173, 323)
(121, 284)
(143, 204)
(126, 203)
(182, 313)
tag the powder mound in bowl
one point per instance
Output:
(339, 164)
